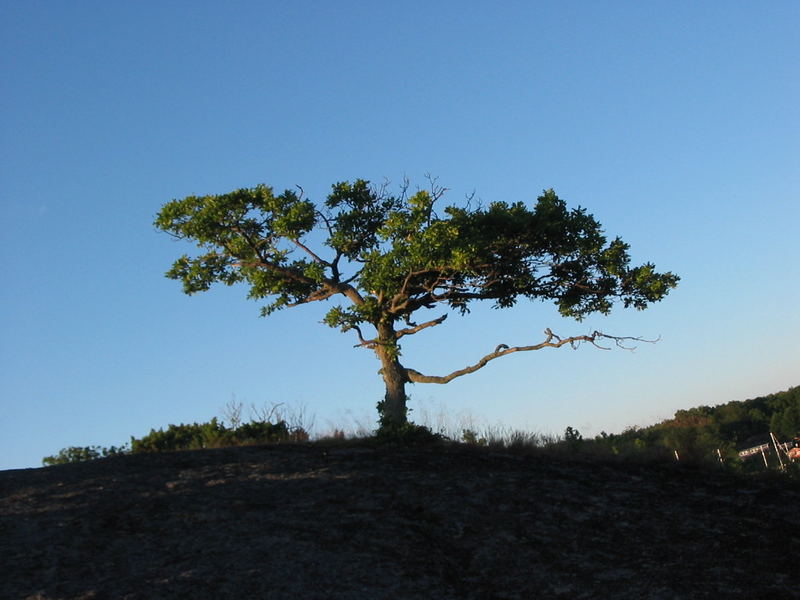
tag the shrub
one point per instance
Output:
(469, 436)
(572, 437)
(406, 434)
(191, 436)
(214, 435)
(75, 454)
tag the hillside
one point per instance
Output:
(354, 521)
(698, 433)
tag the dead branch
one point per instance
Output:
(551, 341)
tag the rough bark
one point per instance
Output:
(393, 409)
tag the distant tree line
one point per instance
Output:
(698, 433)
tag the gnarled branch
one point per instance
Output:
(551, 341)
(416, 328)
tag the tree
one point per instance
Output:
(391, 257)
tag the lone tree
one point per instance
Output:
(390, 256)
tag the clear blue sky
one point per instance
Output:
(675, 123)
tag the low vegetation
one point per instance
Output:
(192, 436)
(75, 454)
(702, 435)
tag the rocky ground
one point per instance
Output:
(353, 521)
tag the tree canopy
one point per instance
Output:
(388, 256)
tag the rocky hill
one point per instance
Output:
(355, 521)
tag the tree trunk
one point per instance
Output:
(393, 411)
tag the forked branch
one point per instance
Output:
(551, 341)
(363, 343)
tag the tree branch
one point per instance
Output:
(362, 343)
(310, 252)
(416, 328)
(315, 296)
(401, 298)
(551, 341)
(283, 271)
(328, 287)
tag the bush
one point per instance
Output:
(258, 432)
(192, 436)
(75, 454)
(215, 435)
(572, 437)
(471, 437)
(407, 434)
(184, 437)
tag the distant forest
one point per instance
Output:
(698, 433)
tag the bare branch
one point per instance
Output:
(310, 252)
(334, 264)
(380, 192)
(362, 343)
(401, 299)
(620, 341)
(404, 188)
(551, 341)
(469, 198)
(351, 279)
(327, 221)
(436, 190)
(416, 328)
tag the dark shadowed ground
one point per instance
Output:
(353, 521)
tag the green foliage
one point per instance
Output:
(184, 437)
(403, 255)
(214, 434)
(389, 256)
(74, 454)
(785, 422)
(193, 436)
(697, 433)
(406, 434)
(385, 421)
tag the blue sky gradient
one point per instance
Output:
(675, 123)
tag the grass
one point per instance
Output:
(437, 426)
